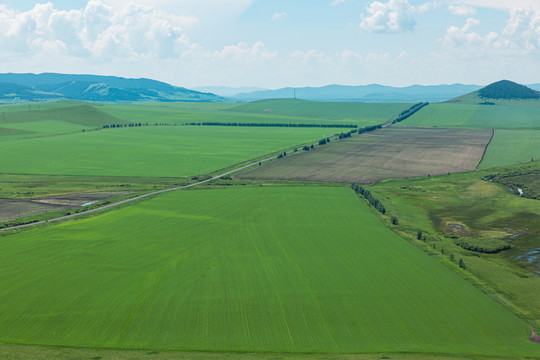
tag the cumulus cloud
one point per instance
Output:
(278, 15)
(462, 10)
(392, 17)
(522, 31)
(463, 37)
(337, 2)
(98, 30)
(520, 36)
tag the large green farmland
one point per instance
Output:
(382, 154)
(288, 269)
(158, 151)
(450, 115)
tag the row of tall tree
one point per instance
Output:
(409, 112)
(273, 125)
(369, 197)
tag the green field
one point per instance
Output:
(378, 113)
(450, 115)
(512, 147)
(382, 154)
(154, 151)
(291, 269)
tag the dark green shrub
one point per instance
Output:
(488, 246)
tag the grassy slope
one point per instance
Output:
(326, 110)
(251, 269)
(482, 209)
(166, 151)
(83, 115)
(512, 146)
(40, 106)
(54, 119)
(382, 154)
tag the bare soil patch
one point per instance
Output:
(12, 209)
(382, 154)
(534, 337)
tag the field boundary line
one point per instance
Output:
(485, 149)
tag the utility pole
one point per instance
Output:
(294, 92)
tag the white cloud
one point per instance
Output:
(522, 31)
(337, 2)
(98, 30)
(520, 37)
(278, 15)
(391, 17)
(464, 38)
(462, 10)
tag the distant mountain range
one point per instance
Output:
(16, 88)
(227, 91)
(365, 93)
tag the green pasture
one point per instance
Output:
(511, 147)
(452, 115)
(375, 112)
(479, 209)
(153, 151)
(255, 269)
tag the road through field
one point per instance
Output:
(142, 196)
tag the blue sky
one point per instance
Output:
(276, 43)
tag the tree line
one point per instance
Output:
(112, 126)
(272, 125)
(369, 197)
(409, 112)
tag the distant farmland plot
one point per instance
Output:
(244, 269)
(177, 114)
(375, 112)
(511, 147)
(382, 154)
(154, 151)
(450, 115)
